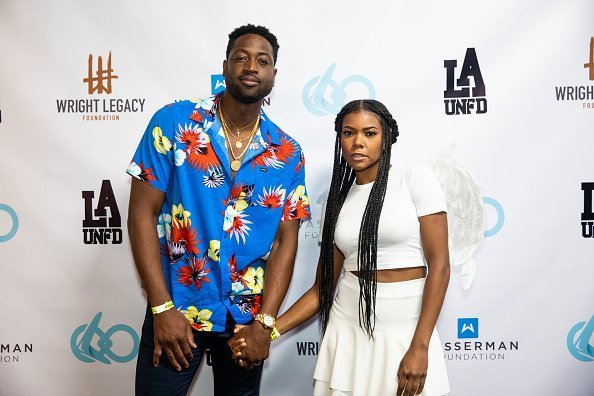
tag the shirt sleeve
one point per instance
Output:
(425, 191)
(297, 203)
(153, 161)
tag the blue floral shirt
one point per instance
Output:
(216, 233)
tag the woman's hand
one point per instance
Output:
(412, 371)
(237, 345)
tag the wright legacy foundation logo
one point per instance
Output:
(101, 227)
(588, 213)
(100, 79)
(580, 92)
(461, 95)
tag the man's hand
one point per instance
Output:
(257, 344)
(173, 334)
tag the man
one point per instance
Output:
(215, 206)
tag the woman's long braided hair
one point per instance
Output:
(342, 180)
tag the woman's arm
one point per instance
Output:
(299, 312)
(307, 305)
(434, 238)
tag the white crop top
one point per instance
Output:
(412, 192)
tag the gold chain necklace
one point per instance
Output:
(236, 163)
(239, 142)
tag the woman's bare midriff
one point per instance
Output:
(398, 274)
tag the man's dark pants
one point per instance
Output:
(164, 380)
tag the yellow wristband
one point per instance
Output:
(162, 308)
(274, 334)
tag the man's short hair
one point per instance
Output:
(253, 29)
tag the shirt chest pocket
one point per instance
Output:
(270, 189)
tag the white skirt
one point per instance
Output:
(349, 363)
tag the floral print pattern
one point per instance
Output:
(215, 231)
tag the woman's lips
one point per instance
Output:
(358, 157)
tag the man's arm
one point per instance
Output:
(173, 332)
(278, 273)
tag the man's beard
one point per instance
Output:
(235, 90)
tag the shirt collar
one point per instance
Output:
(207, 108)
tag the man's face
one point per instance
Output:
(249, 72)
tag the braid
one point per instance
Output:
(342, 180)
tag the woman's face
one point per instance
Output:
(361, 141)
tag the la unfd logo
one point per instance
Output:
(461, 96)
(588, 213)
(101, 226)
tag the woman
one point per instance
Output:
(385, 229)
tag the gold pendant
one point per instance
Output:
(238, 144)
(235, 165)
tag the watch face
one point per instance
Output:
(268, 321)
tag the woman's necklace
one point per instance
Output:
(236, 163)
(239, 141)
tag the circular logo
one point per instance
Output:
(500, 216)
(89, 343)
(322, 95)
(578, 341)
(15, 223)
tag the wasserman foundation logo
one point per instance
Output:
(469, 98)
(478, 349)
(217, 84)
(578, 341)
(580, 93)
(311, 228)
(11, 353)
(588, 213)
(89, 343)
(99, 226)
(99, 80)
(468, 328)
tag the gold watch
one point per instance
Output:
(267, 320)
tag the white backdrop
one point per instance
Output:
(531, 303)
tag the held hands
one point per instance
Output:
(173, 335)
(250, 345)
(412, 372)
(237, 345)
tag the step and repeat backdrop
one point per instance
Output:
(506, 86)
